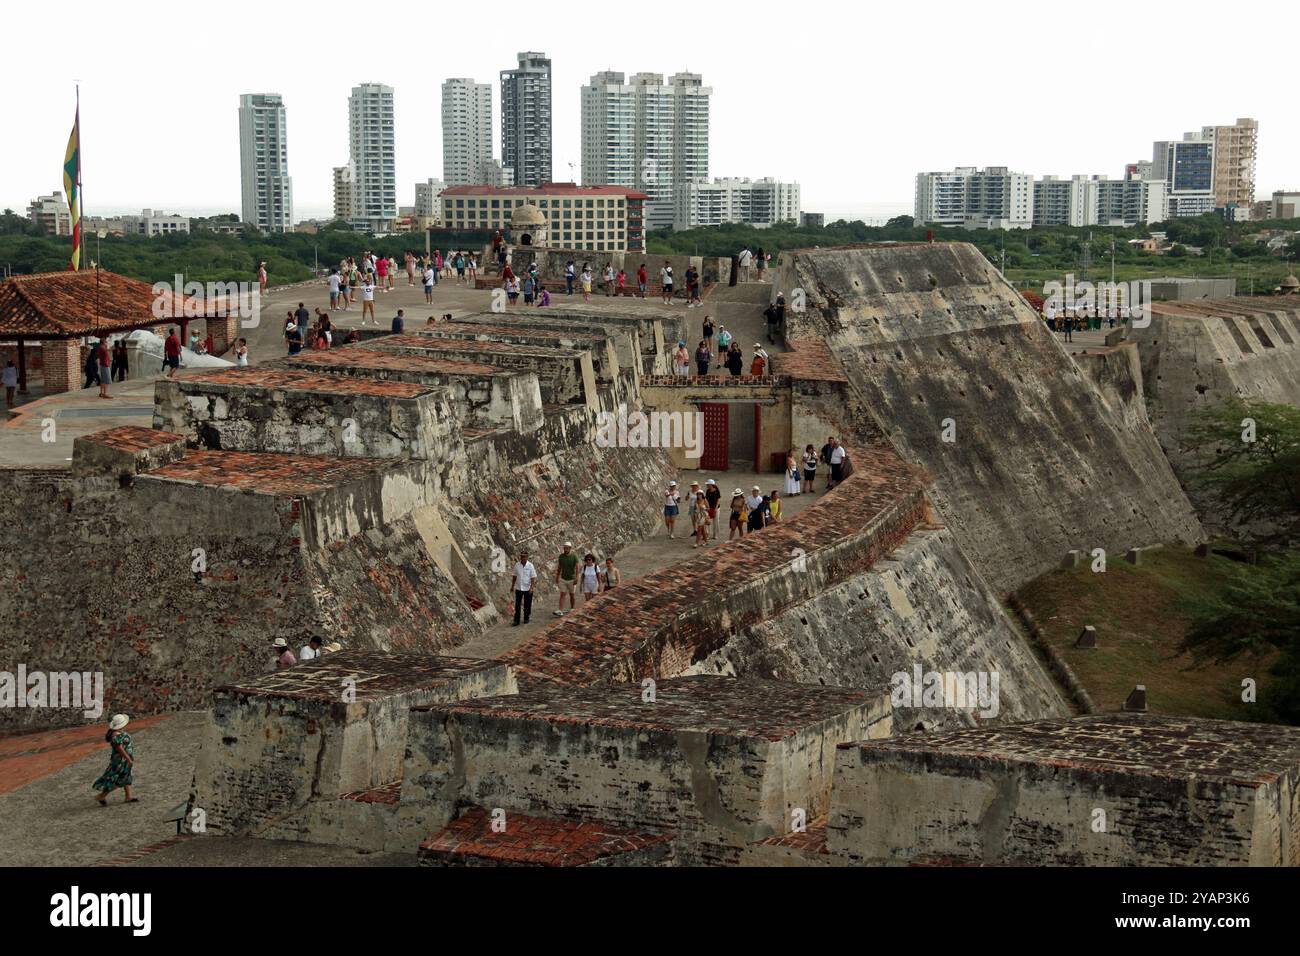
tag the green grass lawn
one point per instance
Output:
(1139, 628)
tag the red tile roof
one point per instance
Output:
(57, 305)
(267, 473)
(535, 841)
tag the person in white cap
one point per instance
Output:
(121, 762)
(754, 506)
(672, 498)
(566, 578)
(713, 495)
(283, 656)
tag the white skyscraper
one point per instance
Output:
(267, 190)
(647, 135)
(466, 132)
(992, 198)
(373, 162)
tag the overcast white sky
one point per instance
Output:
(850, 101)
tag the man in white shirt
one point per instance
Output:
(525, 575)
(311, 650)
(666, 281)
(838, 454)
(746, 260)
(333, 282)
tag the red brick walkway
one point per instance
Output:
(28, 757)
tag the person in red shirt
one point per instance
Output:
(172, 353)
(104, 358)
(641, 279)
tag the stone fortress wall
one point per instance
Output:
(730, 710)
(1039, 464)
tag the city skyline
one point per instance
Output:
(762, 125)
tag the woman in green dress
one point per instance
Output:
(120, 765)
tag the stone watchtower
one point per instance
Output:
(528, 226)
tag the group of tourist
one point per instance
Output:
(746, 262)
(302, 331)
(729, 354)
(588, 575)
(103, 365)
(282, 656)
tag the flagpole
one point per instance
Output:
(81, 193)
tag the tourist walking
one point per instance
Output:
(610, 576)
(241, 353)
(368, 300)
(566, 578)
(666, 282)
(430, 277)
(759, 365)
(703, 356)
(104, 361)
(760, 262)
(746, 261)
(120, 361)
(700, 520)
(736, 522)
(586, 284)
(522, 583)
(283, 657)
(671, 501)
(838, 455)
(681, 360)
(810, 469)
(261, 278)
(590, 578)
(90, 367)
(708, 332)
(754, 509)
(570, 274)
(10, 382)
(826, 459)
(609, 279)
(642, 279)
(121, 763)
(735, 360)
(620, 283)
(172, 353)
(713, 495)
(792, 483)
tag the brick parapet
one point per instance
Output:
(658, 625)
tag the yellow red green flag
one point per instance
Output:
(72, 186)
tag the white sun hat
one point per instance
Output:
(118, 722)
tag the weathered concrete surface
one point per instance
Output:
(720, 761)
(1100, 790)
(1196, 355)
(516, 839)
(284, 410)
(926, 605)
(1038, 463)
(320, 730)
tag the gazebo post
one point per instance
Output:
(22, 368)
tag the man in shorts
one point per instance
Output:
(566, 577)
(172, 353)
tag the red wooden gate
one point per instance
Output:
(715, 437)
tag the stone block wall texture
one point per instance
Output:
(103, 581)
(1195, 355)
(298, 413)
(1040, 463)
(923, 605)
(717, 760)
(320, 730)
(1100, 790)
